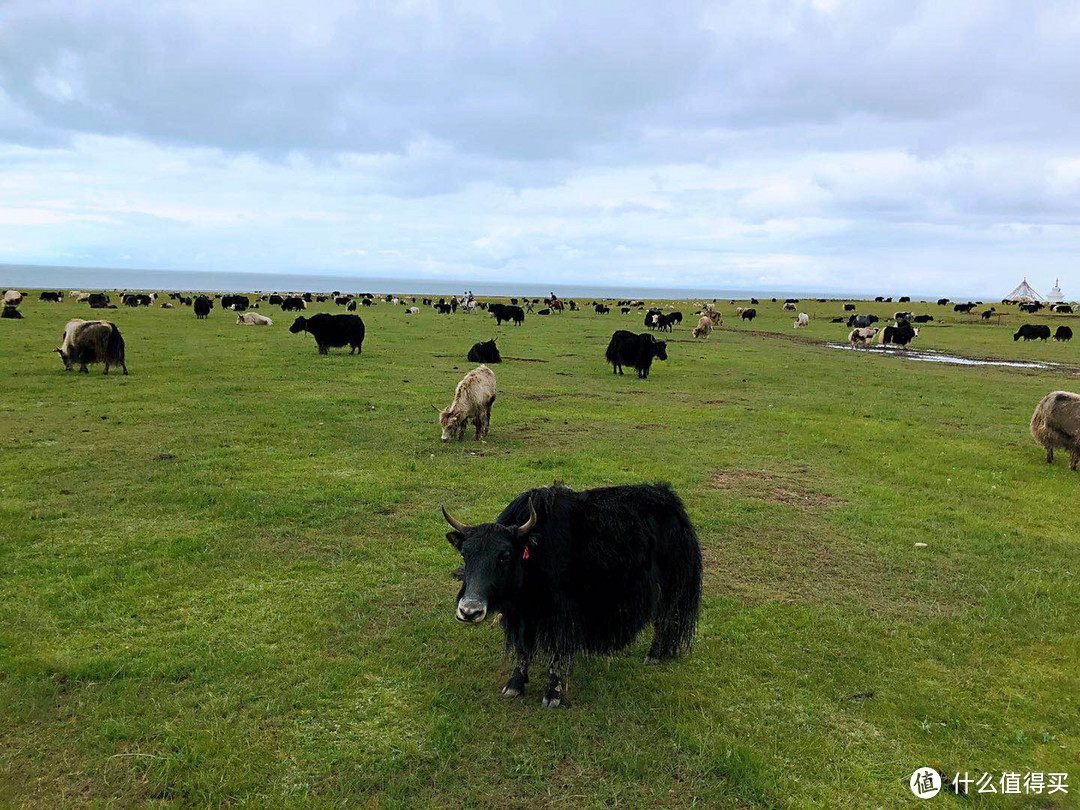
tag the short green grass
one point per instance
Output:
(224, 578)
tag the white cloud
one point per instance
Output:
(809, 141)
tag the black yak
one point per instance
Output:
(748, 315)
(637, 351)
(202, 307)
(237, 303)
(1063, 333)
(87, 342)
(582, 572)
(502, 312)
(54, 297)
(486, 352)
(1032, 331)
(332, 331)
(293, 304)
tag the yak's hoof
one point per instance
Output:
(652, 660)
(509, 691)
(551, 702)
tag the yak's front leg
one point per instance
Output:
(556, 686)
(518, 678)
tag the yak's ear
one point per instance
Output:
(456, 539)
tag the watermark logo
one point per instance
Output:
(925, 783)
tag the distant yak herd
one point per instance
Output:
(566, 572)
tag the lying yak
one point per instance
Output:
(486, 352)
(92, 342)
(1056, 425)
(637, 351)
(253, 319)
(332, 331)
(11, 313)
(473, 399)
(582, 572)
(1033, 331)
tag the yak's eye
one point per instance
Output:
(504, 558)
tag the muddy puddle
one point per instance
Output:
(930, 356)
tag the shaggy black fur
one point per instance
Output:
(486, 352)
(332, 331)
(597, 567)
(637, 351)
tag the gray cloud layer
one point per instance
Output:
(726, 143)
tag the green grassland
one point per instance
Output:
(224, 578)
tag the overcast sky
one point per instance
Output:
(901, 146)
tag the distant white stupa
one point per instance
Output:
(1024, 293)
(1055, 296)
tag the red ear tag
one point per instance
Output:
(525, 554)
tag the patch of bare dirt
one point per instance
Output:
(792, 488)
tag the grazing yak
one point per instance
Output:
(789, 307)
(275, 300)
(12, 298)
(54, 297)
(202, 307)
(963, 307)
(714, 316)
(473, 398)
(237, 303)
(636, 351)
(1033, 331)
(486, 352)
(443, 309)
(1063, 333)
(863, 336)
(802, 321)
(1056, 425)
(849, 307)
(504, 312)
(900, 335)
(748, 314)
(410, 310)
(1031, 308)
(332, 331)
(703, 328)
(1062, 309)
(904, 299)
(295, 304)
(862, 321)
(351, 306)
(87, 342)
(942, 302)
(98, 300)
(582, 572)
(600, 309)
(253, 319)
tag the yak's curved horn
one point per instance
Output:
(527, 526)
(457, 524)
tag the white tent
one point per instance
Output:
(1024, 293)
